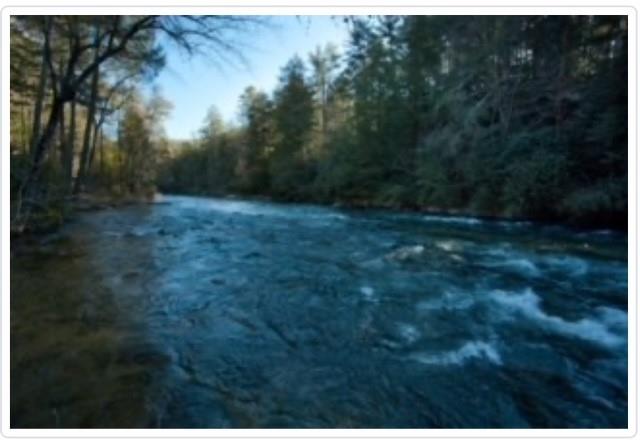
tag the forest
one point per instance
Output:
(521, 117)
(422, 225)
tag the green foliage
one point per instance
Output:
(518, 116)
(256, 111)
(535, 185)
(602, 203)
(294, 119)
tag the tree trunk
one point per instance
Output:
(86, 157)
(94, 144)
(101, 146)
(62, 142)
(37, 111)
(27, 193)
(120, 156)
(70, 147)
(24, 137)
(69, 84)
(324, 111)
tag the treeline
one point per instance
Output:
(79, 118)
(512, 116)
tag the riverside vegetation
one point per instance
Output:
(206, 312)
(498, 116)
(502, 116)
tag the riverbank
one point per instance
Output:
(51, 218)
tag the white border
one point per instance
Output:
(630, 11)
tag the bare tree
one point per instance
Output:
(126, 37)
(91, 111)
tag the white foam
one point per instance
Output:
(519, 265)
(449, 245)
(256, 209)
(369, 294)
(138, 232)
(512, 260)
(469, 350)
(569, 265)
(328, 217)
(614, 318)
(406, 252)
(416, 250)
(459, 220)
(524, 266)
(367, 291)
(596, 330)
(408, 333)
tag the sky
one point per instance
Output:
(195, 84)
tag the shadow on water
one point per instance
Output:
(80, 357)
(217, 313)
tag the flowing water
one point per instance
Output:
(219, 313)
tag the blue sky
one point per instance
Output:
(195, 84)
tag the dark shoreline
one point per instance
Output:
(425, 211)
(35, 232)
(90, 203)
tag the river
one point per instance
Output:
(210, 313)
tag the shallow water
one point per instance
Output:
(219, 313)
